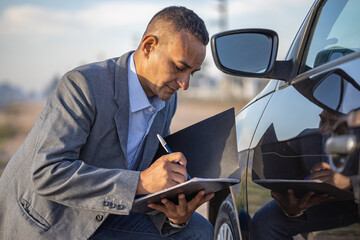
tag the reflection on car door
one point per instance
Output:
(292, 132)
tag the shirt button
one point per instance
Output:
(150, 109)
(99, 218)
(120, 207)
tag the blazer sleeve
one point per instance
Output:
(58, 173)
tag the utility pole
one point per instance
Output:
(228, 81)
(223, 15)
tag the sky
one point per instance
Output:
(42, 39)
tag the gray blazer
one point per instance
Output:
(74, 158)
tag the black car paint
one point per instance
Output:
(263, 126)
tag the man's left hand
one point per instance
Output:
(182, 212)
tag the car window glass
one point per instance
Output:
(336, 34)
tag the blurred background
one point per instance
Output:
(40, 40)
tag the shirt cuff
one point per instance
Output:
(293, 216)
(174, 225)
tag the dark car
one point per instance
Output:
(281, 133)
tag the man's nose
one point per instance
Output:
(183, 82)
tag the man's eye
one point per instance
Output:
(180, 69)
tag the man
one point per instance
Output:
(91, 150)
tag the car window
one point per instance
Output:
(336, 34)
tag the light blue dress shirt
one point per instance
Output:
(141, 116)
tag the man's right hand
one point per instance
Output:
(165, 172)
(322, 171)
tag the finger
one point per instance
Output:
(325, 177)
(318, 199)
(320, 173)
(176, 157)
(182, 202)
(178, 177)
(195, 202)
(320, 166)
(173, 171)
(206, 198)
(182, 161)
(170, 206)
(176, 167)
(209, 196)
(326, 199)
(306, 198)
(158, 207)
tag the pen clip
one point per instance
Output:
(164, 144)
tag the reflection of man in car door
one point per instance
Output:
(288, 215)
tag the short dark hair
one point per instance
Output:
(182, 18)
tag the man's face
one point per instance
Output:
(171, 63)
(327, 122)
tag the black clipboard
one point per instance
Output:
(189, 188)
(301, 187)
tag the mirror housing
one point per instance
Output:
(249, 53)
(333, 90)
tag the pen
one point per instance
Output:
(168, 150)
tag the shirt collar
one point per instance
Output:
(137, 97)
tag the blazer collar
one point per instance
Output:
(121, 97)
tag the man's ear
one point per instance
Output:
(148, 44)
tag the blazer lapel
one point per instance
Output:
(121, 97)
(151, 143)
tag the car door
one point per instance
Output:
(290, 137)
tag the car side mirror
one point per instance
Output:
(336, 91)
(248, 53)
